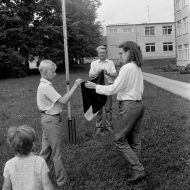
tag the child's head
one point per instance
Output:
(47, 69)
(21, 139)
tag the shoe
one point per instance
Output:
(137, 175)
(110, 129)
(66, 182)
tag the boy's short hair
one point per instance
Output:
(101, 47)
(21, 139)
(46, 64)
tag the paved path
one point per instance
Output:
(180, 88)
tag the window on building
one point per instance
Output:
(149, 31)
(168, 46)
(150, 47)
(185, 25)
(178, 5)
(179, 49)
(184, 3)
(128, 29)
(167, 30)
(179, 28)
(186, 52)
(112, 30)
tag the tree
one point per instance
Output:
(83, 31)
(37, 25)
(15, 16)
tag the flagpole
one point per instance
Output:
(71, 123)
(66, 53)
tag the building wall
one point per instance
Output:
(137, 34)
(182, 22)
(158, 39)
(116, 38)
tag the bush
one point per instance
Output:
(170, 68)
(11, 65)
(185, 70)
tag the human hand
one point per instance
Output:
(90, 85)
(99, 71)
(78, 82)
(106, 72)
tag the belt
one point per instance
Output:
(130, 100)
(43, 112)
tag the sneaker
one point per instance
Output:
(136, 176)
(61, 187)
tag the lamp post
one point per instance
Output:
(71, 121)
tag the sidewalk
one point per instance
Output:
(180, 88)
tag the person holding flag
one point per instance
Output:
(108, 67)
(129, 88)
(50, 103)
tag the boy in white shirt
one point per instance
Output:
(50, 102)
(25, 171)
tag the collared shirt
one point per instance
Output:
(47, 98)
(128, 85)
(107, 65)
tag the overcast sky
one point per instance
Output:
(135, 11)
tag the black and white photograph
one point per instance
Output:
(95, 94)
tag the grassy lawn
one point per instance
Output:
(94, 164)
(149, 67)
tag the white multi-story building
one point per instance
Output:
(157, 40)
(182, 20)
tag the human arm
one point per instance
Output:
(120, 83)
(112, 74)
(90, 85)
(46, 183)
(7, 183)
(66, 97)
(106, 89)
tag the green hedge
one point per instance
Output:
(11, 65)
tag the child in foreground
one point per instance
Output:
(25, 171)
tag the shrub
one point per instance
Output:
(11, 65)
(169, 68)
(185, 70)
(187, 67)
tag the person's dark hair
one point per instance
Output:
(21, 139)
(135, 52)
